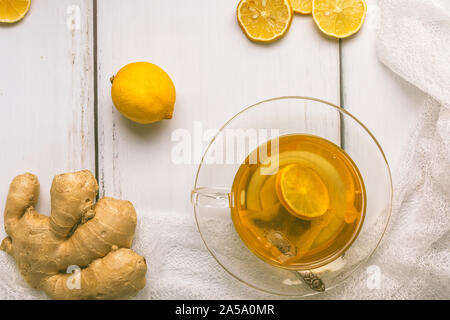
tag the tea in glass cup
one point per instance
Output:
(300, 206)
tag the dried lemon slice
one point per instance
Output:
(13, 10)
(264, 20)
(339, 18)
(302, 192)
(302, 6)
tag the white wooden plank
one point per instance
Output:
(217, 72)
(383, 101)
(46, 94)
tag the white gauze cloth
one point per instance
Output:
(414, 258)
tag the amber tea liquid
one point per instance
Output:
(272, 220)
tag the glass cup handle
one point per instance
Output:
(212, 197)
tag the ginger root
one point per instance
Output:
(92, 240)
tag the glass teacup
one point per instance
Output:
(214, 196)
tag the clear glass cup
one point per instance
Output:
(212, 196)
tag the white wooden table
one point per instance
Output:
(56, 113)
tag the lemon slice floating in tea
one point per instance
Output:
(13, 10)
(264, 20)
(339, 18)
(302, 6)
(302, 192)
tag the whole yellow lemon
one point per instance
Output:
(143, 92)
